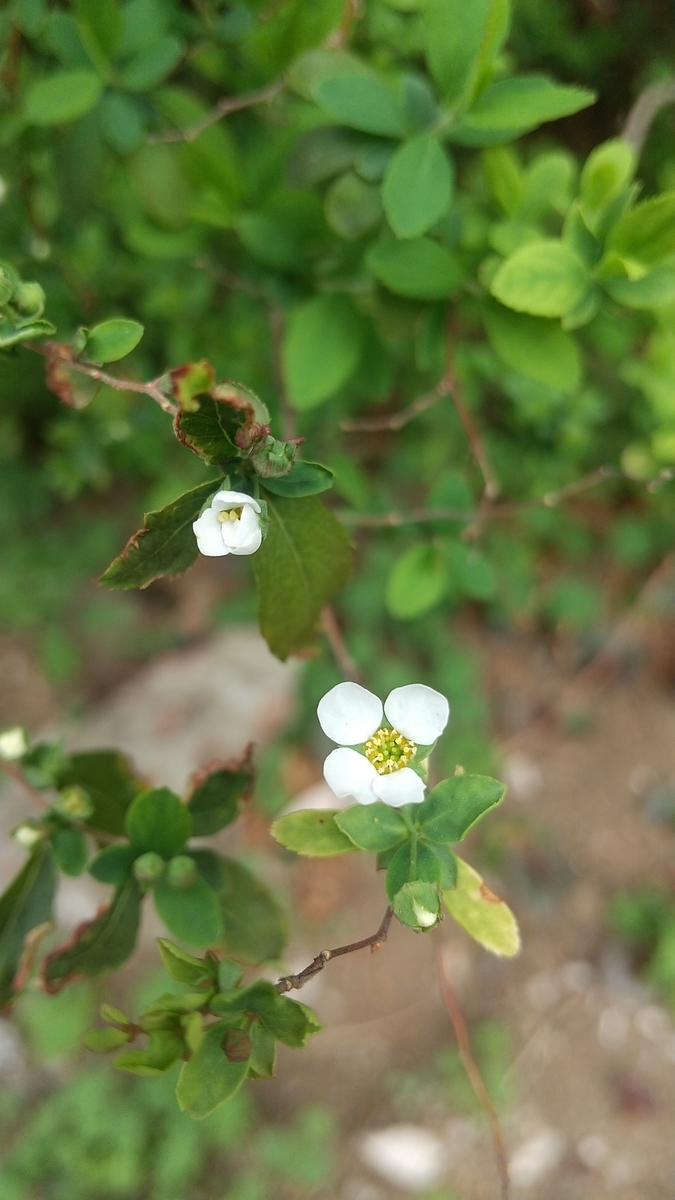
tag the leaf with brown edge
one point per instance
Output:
(76, 391)
(25, 909)
(216, 791)
(229, 419)
(166, 545)
(190, 380)
(98, 945)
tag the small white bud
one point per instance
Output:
(424, 916)
(13, 744)
(27, 836)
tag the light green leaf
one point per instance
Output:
(185, 967)
(254, 927)
(99, 945)
(353, 207)
(417, 188)
(608, 169)
(103, 1041)
(12, 333)
(158, 821)
(305, 558)
(646, 233)
(311, 832)
(523, 102)
(373, 827)
(417, 582)
(191, 914)
(62, 97)
(361, 100)
(100, 26)
(655, 288)
(112, 340)
(418, 905)
(209, 1078)
(151, 65)
(544, 278)
(303, 479)
(25, 905)
(419, 269)
(70, 850)
(166, 545)
(453, 807)
(321, 349)
(536, 347)
(164, 1048)
(482, 913)
(455, 34)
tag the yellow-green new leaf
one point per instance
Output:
(482, 913)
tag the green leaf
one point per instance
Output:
(454, 35)
(224, 420)
(209, 1078)
(100, 26)
(254, 927)
(646, 233)
(536, 347)
(159, 821)
(353, 207)
(113, 865)
(482, 913)
(189, 913)
(417, 582)
(288, 1020)
(305, 558)
(361, 100)
(166, 545)
(417, 188)
(418, 905)
(112, 340)
(655, 288)
(98, 945)
(419, 269)
(24, 906)
(12, 333)
(523, 102)
(373, 827)
(70, 850)
(544, 278)
(311, 832)
(607, 171)
(216, 792)
(164, 1048)
(62, 97)
(110, 783)
(263, 1052)
(185, 967)
(121, 122)
(151, 65)
(103, 1041)
(303, 479)
(454, 806)
(321, 349)
(414, 860)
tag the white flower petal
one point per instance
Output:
(349, 773)
(250, 544)
(208, 533)
(401, 787)
(418, 712)
(348, 714)
(223, 501)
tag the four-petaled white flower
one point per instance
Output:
(230, 526)
(380, 768)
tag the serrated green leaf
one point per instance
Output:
(305, 558)
(453, 806)
(523, 102)
(110, 783)
(419, 269)
(303, 479)
(103, 1041)
(287, 1020)
(544, 278)
(185, 967)
(190, 913)
(321, 349)
(166, 545)
(158, 821)
(417, 187)
(373, 827)
(98, 945)
(254, 927)
(114, 864)
(24, 906)
(536, 347)
(646, 233)
(361, 100)
(482, 913)
(163, 1049)
(311, 832)
(112, 340)
(62, 97)
(216, 793)
(209, 1078)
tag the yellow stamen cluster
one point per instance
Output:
(230, 514)
(388, 750)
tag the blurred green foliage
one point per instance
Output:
(644, 919)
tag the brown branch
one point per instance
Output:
(492, 486)
(648, 104)
(329, 624)
(340, 37)
(397, 420)
(226, 105)
(289, 982)
(153, 388)
(474, 1076)
(14, 771)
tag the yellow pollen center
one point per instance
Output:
(388, 750)
(230, 514)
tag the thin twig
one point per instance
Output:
(397, 420)
(648, 104)
(14, 771)
(289, 982)
(331, 628)
(226, 105)
(474, 1076)
(153, 388)
(492, 487)
(340, 36)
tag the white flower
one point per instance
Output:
(230, 526)
(351, 716)
(13, 743)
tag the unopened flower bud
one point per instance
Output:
(30, 299)
(28, 834)
(74, 803)
(13, 744)
(424, 916)
(181, 871)
(148, 868)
